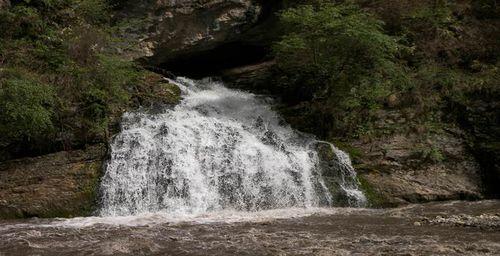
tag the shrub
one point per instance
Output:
(84, 44)
(21, 21)
(431, 154)
(94, 11)
(26, 110)
(106, 87)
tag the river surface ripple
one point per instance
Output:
(447, 228)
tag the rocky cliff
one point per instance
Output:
(167, 30)
(400, 169)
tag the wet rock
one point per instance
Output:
(157, 91)
(414, 170)
(483, 221)
(338, 175)
(168, 29)
(253, 77)
(63, 184)
(480, 117)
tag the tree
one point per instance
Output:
(340, 55)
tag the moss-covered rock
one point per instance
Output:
(337, 174)
(63, 184)
(374, 197)
(156, 90)
(393, 170)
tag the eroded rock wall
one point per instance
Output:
(62, 184)
(402, 169)
(165, 30)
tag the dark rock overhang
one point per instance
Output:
(246, 43)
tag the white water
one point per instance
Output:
(224, 216)
(218, 150)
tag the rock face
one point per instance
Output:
(63, 184)
(339, 176)
(402, 168)
(168, 29)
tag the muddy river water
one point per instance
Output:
(446, 228)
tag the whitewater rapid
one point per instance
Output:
(218, 150)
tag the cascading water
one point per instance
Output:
(219, 149)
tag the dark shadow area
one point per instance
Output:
(480, 118)
(211, 62)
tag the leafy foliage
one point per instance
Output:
(76, 85)
(339, 55)
(344, 68)
(26, 109)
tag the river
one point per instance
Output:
(446, 228)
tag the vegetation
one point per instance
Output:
(341, 64)
(27, 109)
(62, 82)
(338, 56)
(363, 70)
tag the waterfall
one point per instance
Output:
(219, 149)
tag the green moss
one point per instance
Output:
(154, 89)
(355, 153)
(374, 198)
(85, 201)
(163, 93)
(91, 190)
(173, 93)
(429, 153)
